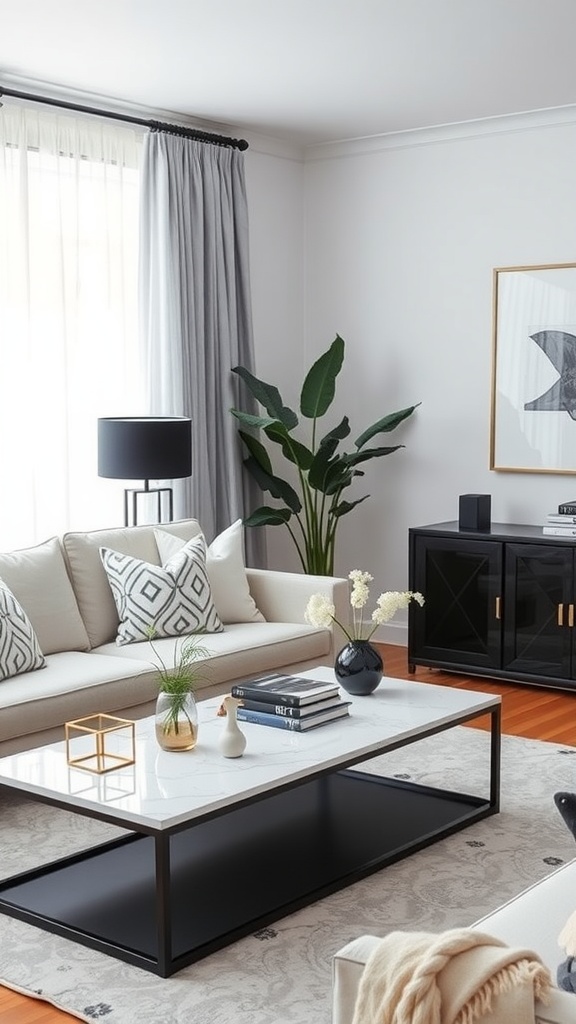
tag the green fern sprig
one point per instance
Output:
(180, 680)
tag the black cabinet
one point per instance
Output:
(500, 603)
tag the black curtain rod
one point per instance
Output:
(154, 126)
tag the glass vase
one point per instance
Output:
(176, 721)
(358, 668)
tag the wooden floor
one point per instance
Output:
(526, 711)
(529, 711)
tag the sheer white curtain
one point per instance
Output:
(69, 198)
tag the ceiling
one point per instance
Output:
(306, 71)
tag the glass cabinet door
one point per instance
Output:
(460, 622)
(538, 620)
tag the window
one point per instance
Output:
(69, 353)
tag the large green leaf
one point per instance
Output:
(386, 424)
(369, 453)
(320, 464)
(278, 488)
(257, 450)
(250, 420)
(338, 476)
(322, 458)
(269, 397)
(292, 450)
(319, 385)
(266, 516)
(346, 506)
(337, 433)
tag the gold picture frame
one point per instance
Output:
(533, 386)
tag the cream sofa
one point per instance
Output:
(64, 590)
(532, 920)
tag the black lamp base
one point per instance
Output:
(131, 503)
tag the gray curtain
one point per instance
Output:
(196, 318)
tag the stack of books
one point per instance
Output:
(289, 702)
(563, 522)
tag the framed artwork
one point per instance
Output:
(533, 409)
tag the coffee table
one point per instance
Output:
(218, 848)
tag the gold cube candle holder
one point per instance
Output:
(95, 743)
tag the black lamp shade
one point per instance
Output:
(145, 447)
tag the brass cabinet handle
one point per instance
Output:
(498, 608)
(560, 614)
(570, 615)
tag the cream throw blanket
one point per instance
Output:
(456, 977)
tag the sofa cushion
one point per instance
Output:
(171, 600)
(38, 579)
(243, 649)
(82, 552)
(19, 648)
(72, 685)
(226, 572)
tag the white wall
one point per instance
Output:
(392, 244)
(401, 239)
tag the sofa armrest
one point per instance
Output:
(283, 596)
(347, 968)
(348, 964)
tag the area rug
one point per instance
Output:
(282, 974)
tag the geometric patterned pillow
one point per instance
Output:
(173, 599)
(19, 648)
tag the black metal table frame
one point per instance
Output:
(188, 902)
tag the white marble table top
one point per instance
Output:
(165, 789)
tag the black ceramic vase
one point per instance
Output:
(358, 668)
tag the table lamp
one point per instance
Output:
(145, 448)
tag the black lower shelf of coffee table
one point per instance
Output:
(240, 871)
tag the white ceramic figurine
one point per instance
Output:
(232, 741)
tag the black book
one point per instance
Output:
(291, 690)
(288, 711)
(567, 508)
(293, 724)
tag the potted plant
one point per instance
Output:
(312, 508)
(176, 711)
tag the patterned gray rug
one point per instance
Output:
(281, 975)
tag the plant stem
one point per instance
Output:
(173, 712)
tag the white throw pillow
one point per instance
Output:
(173, 599)
(226, 572)
(38, 579)
(19, 647)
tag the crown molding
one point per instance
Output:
(264, 144)
(550, 117)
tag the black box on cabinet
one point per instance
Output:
(474, 512)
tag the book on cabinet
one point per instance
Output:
(559, 531)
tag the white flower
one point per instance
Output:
(389, 603)
(319, 611)
(360, 590)
(357, 576)
(359, 596)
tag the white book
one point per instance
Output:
(560, 531)
(560, 520)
